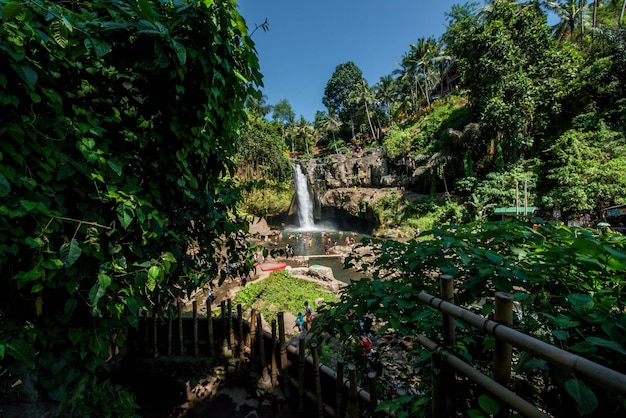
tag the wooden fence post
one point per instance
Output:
(261, 338)
(209, 321)
(371, 377)
(284, 373)
(224, 328)
(354, 401)
(438, 402)
(253, 315)
(447, 375)
(195, 328)
(301, 365)
(339, 402)
(241, 343)
(503, 350)
(181, 339)
(274, 354)
(318, 381)
(229, 324)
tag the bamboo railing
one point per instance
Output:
(333, 393)
(506, 338)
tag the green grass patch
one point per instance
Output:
(281, 292)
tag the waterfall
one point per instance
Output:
(303, 198)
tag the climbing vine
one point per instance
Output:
(117, 132)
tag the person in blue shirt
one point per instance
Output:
(300, 321)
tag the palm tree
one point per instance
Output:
(406, 75)
(426, 52)
(365, 95)
(571, 13)
(303, 130)
(330, 122)
(385, 91)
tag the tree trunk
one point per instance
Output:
(369, 120)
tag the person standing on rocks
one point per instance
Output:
(308, 313)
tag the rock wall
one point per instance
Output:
(354, 182)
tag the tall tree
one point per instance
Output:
(385, 91)
(363, 94)
(329, 122)
(283, 113)
(515, 74)
(338, 88)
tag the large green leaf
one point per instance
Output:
(601, 342)
(22, 351)
(586, 400)
(10, 10)
(125, 214)
(70, 252)
(28, 75)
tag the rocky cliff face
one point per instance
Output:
(354, 182)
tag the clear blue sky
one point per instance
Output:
(307, 39)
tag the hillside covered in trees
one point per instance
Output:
(502, 99)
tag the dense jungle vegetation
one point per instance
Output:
(501, 99)
(131, 130)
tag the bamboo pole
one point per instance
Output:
(195, 328)
(274, 359)
(371, 377)
(241, 343)
(354, 401)
(301, 365)
(229, 324)
(253, 315)
(437, 403)
(339, 406)
(284, 372)
(259, 325)
(209, 320)
(224, 327)
(447, 378)
(181, 340)
(502, 352)
(604, 377)
(447, 294)
(517, 403)
(318, 380)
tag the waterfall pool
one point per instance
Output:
(312, 244)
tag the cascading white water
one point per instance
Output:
(303, 198)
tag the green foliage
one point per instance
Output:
(343, 82)
(515, 74)
(118, 128)
(261, 152)
(566, 282)
(267, 199)
(586, 169)
(398, 142)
